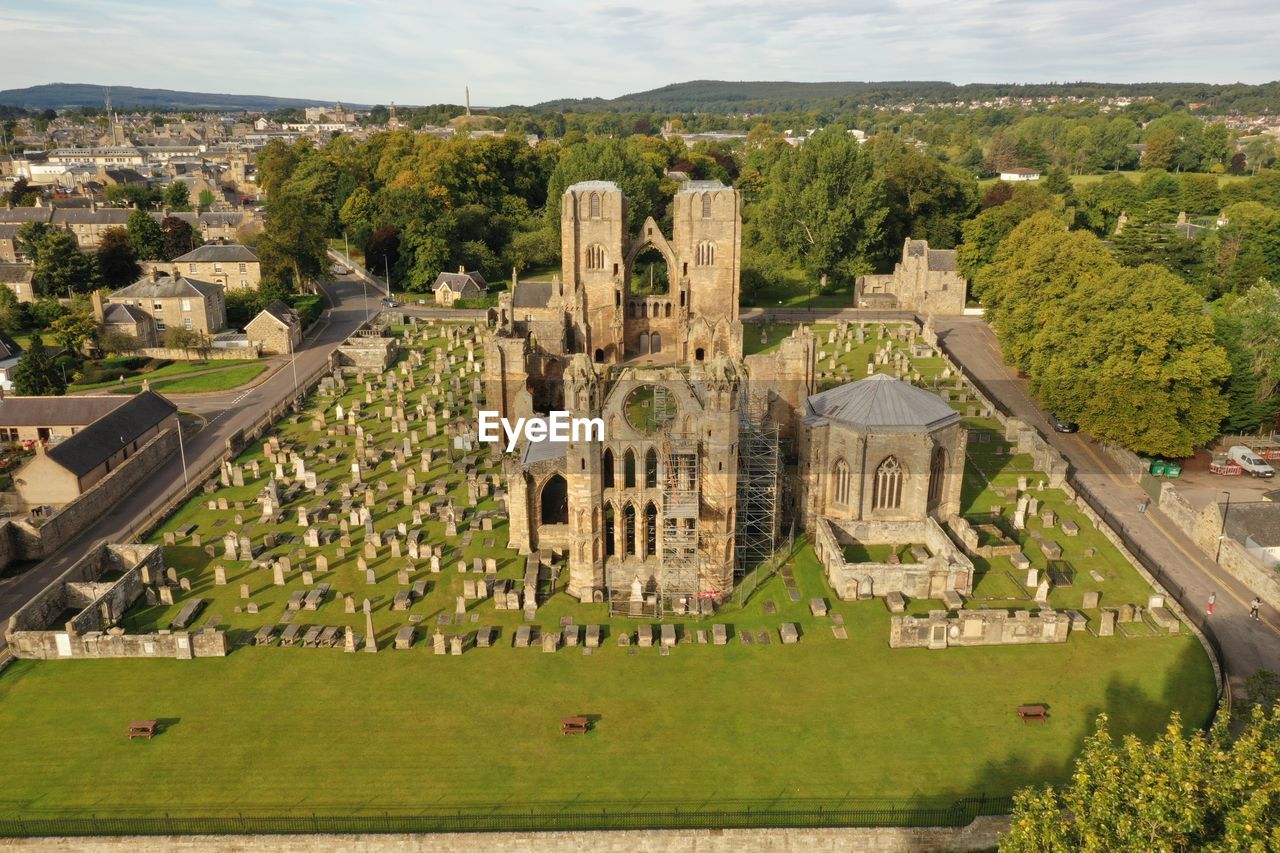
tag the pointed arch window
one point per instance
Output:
(595, 257)
(651, 469)
(595, 205)
(629, 470)
(706, 205)
(629, 521)
(937, 475)
(705, 253)
(840, 482)
(886, 491)
(606, 474)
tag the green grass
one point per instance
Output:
(797, 295)
(317, 730)
(764, 337)
(177, 368)
(311, 730)
(220, 380)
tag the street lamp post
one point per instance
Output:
(1222, 534)
(182, 454)
(293, 363)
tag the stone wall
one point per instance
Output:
(206, 354)
(945, 569)
(1204, 527)
(91, 632)
(982, 834)
(939, 630)
(365, 352)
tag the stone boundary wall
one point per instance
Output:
(982, 834)
(983, 627)
(1204, 527)
(1126, 459)
(209, 354)
(30, 542)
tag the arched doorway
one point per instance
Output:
(655, 342)
(650, 273)
(553, 501)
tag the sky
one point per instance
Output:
(376, 51)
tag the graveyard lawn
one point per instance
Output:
(272, 730)
(296, 730)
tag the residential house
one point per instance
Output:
(173, 302)
(67, 467)
(1020, 173)
(449, 287)
(277, 328)
(231, 265)
(89, 224)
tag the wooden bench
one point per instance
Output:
(143, 728)
(574, 726)
(1033, 712)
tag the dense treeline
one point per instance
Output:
(725, 97)
(1155, 337)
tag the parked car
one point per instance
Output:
(1251, 462)
(389, 302)
(1059, 425)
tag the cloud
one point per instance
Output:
(375, 51)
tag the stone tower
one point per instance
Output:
(707, 240)
(593, 228)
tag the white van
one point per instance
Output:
(1251, 462)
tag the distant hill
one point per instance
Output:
(59, 96)
(721, 96)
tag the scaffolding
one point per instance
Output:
(679, 586)
(759, 486)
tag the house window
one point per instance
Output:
(243, 268)
(186, 305)
(191, 268)
(886, 492)
(8, 434)
(217, 267)
(160, 326)
(186, 323)
(244, 282)
(157, 305)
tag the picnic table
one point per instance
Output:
(143, 728)
(1033, 712)
(574, 726)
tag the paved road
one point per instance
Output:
(1247, 645)
(224, 413)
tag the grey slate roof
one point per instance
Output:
(281, 312)
(532, 294)
(121, 313)
(15, 273)
(165, 286)
(457, 281)
(882, 404)
(91, 446)
(9, 348)
(1259, 521)
(26, 214)
(56, 411)
(943, 260)
(537, 451)
(88, 216)
(227, 253)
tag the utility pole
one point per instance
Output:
(182, 454)
(1222, 534)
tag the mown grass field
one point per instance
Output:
(273, 730)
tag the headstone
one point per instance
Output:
(1091, 600)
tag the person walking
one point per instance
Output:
(1213, 596)
(1142, 507)
(1254, 607)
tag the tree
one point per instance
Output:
(21, 194)
(185, 339)
(178, 236)
(1185, 791)
(73, 330)
(133, 195)
(36, 375)
(292, 247)
(14, 315)
(357, 215)
(206, 199)
(117, 264)
(59, 266)
(616, 160)
(1160, 147)
(928, 200)
(824, 208)
(145, 236)
(177, 196)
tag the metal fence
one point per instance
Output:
(537, 818)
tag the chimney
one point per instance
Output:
(461, 269)
(96, 298)
(155, 273)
